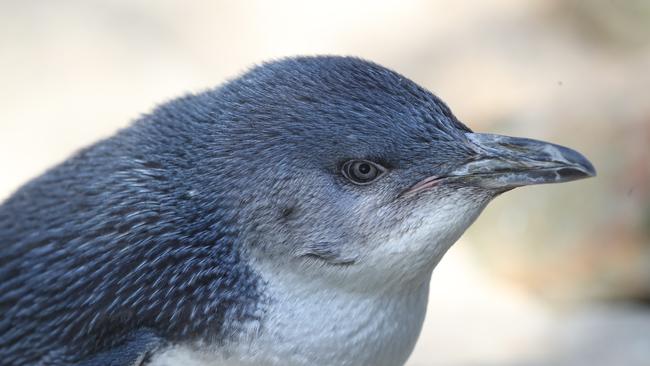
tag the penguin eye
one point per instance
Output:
(362, 171)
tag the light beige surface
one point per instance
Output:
(520, 288)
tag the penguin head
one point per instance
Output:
(344, 171)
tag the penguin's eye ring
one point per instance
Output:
(362, 172)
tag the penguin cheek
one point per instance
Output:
(412, 234)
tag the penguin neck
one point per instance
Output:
(308, 322)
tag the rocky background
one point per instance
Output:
(549, 275)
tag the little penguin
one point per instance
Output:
(291, 216)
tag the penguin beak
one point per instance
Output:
(503, 163)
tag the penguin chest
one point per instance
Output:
(327, 329)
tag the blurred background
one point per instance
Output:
(548, 275)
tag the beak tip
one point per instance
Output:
(583, 167)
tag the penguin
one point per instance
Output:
(291, 216)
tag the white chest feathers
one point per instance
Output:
(325, 327)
